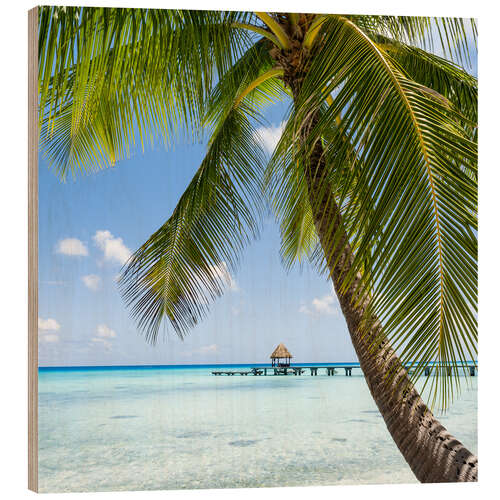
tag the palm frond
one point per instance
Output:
(109, 75)
(439, 75)
(185, 265)
(457, 36)
(286, 185)
(244, 86)
(417, 203)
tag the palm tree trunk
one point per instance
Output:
(432, 453)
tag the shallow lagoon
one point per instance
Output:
(183, 428)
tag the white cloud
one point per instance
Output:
(324, 305)
(104, 342)
(49, 337)
(304, 309)
(105, 331)
(104, 334)
(113, 248)
(208, 349)
(71, 246)
(48, 324)
(269, 136)
(92, 281)
(321, 305)
(223, 273)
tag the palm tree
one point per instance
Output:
(374, 178)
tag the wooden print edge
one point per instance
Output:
(33, 249)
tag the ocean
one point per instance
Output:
(180, 427)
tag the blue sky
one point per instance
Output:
(89, 226)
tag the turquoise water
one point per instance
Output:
(183, 428)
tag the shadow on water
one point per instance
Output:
(244, 442)
(193, 434)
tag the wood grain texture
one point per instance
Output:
(33, 249)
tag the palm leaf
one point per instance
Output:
(457, 36)
(243, 85)
(185, 265)
(286, 185)
(438, 74)
(417, 203)
(108, 75)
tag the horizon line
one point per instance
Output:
(158, 365)
(189, 364)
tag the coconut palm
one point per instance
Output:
(374, 179)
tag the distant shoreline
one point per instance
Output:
(201, 365)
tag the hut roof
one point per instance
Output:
(281, 352)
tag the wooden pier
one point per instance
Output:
(288, 370)
(332, 370)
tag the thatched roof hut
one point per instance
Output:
(281, 353)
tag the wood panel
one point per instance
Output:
(33, 249)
